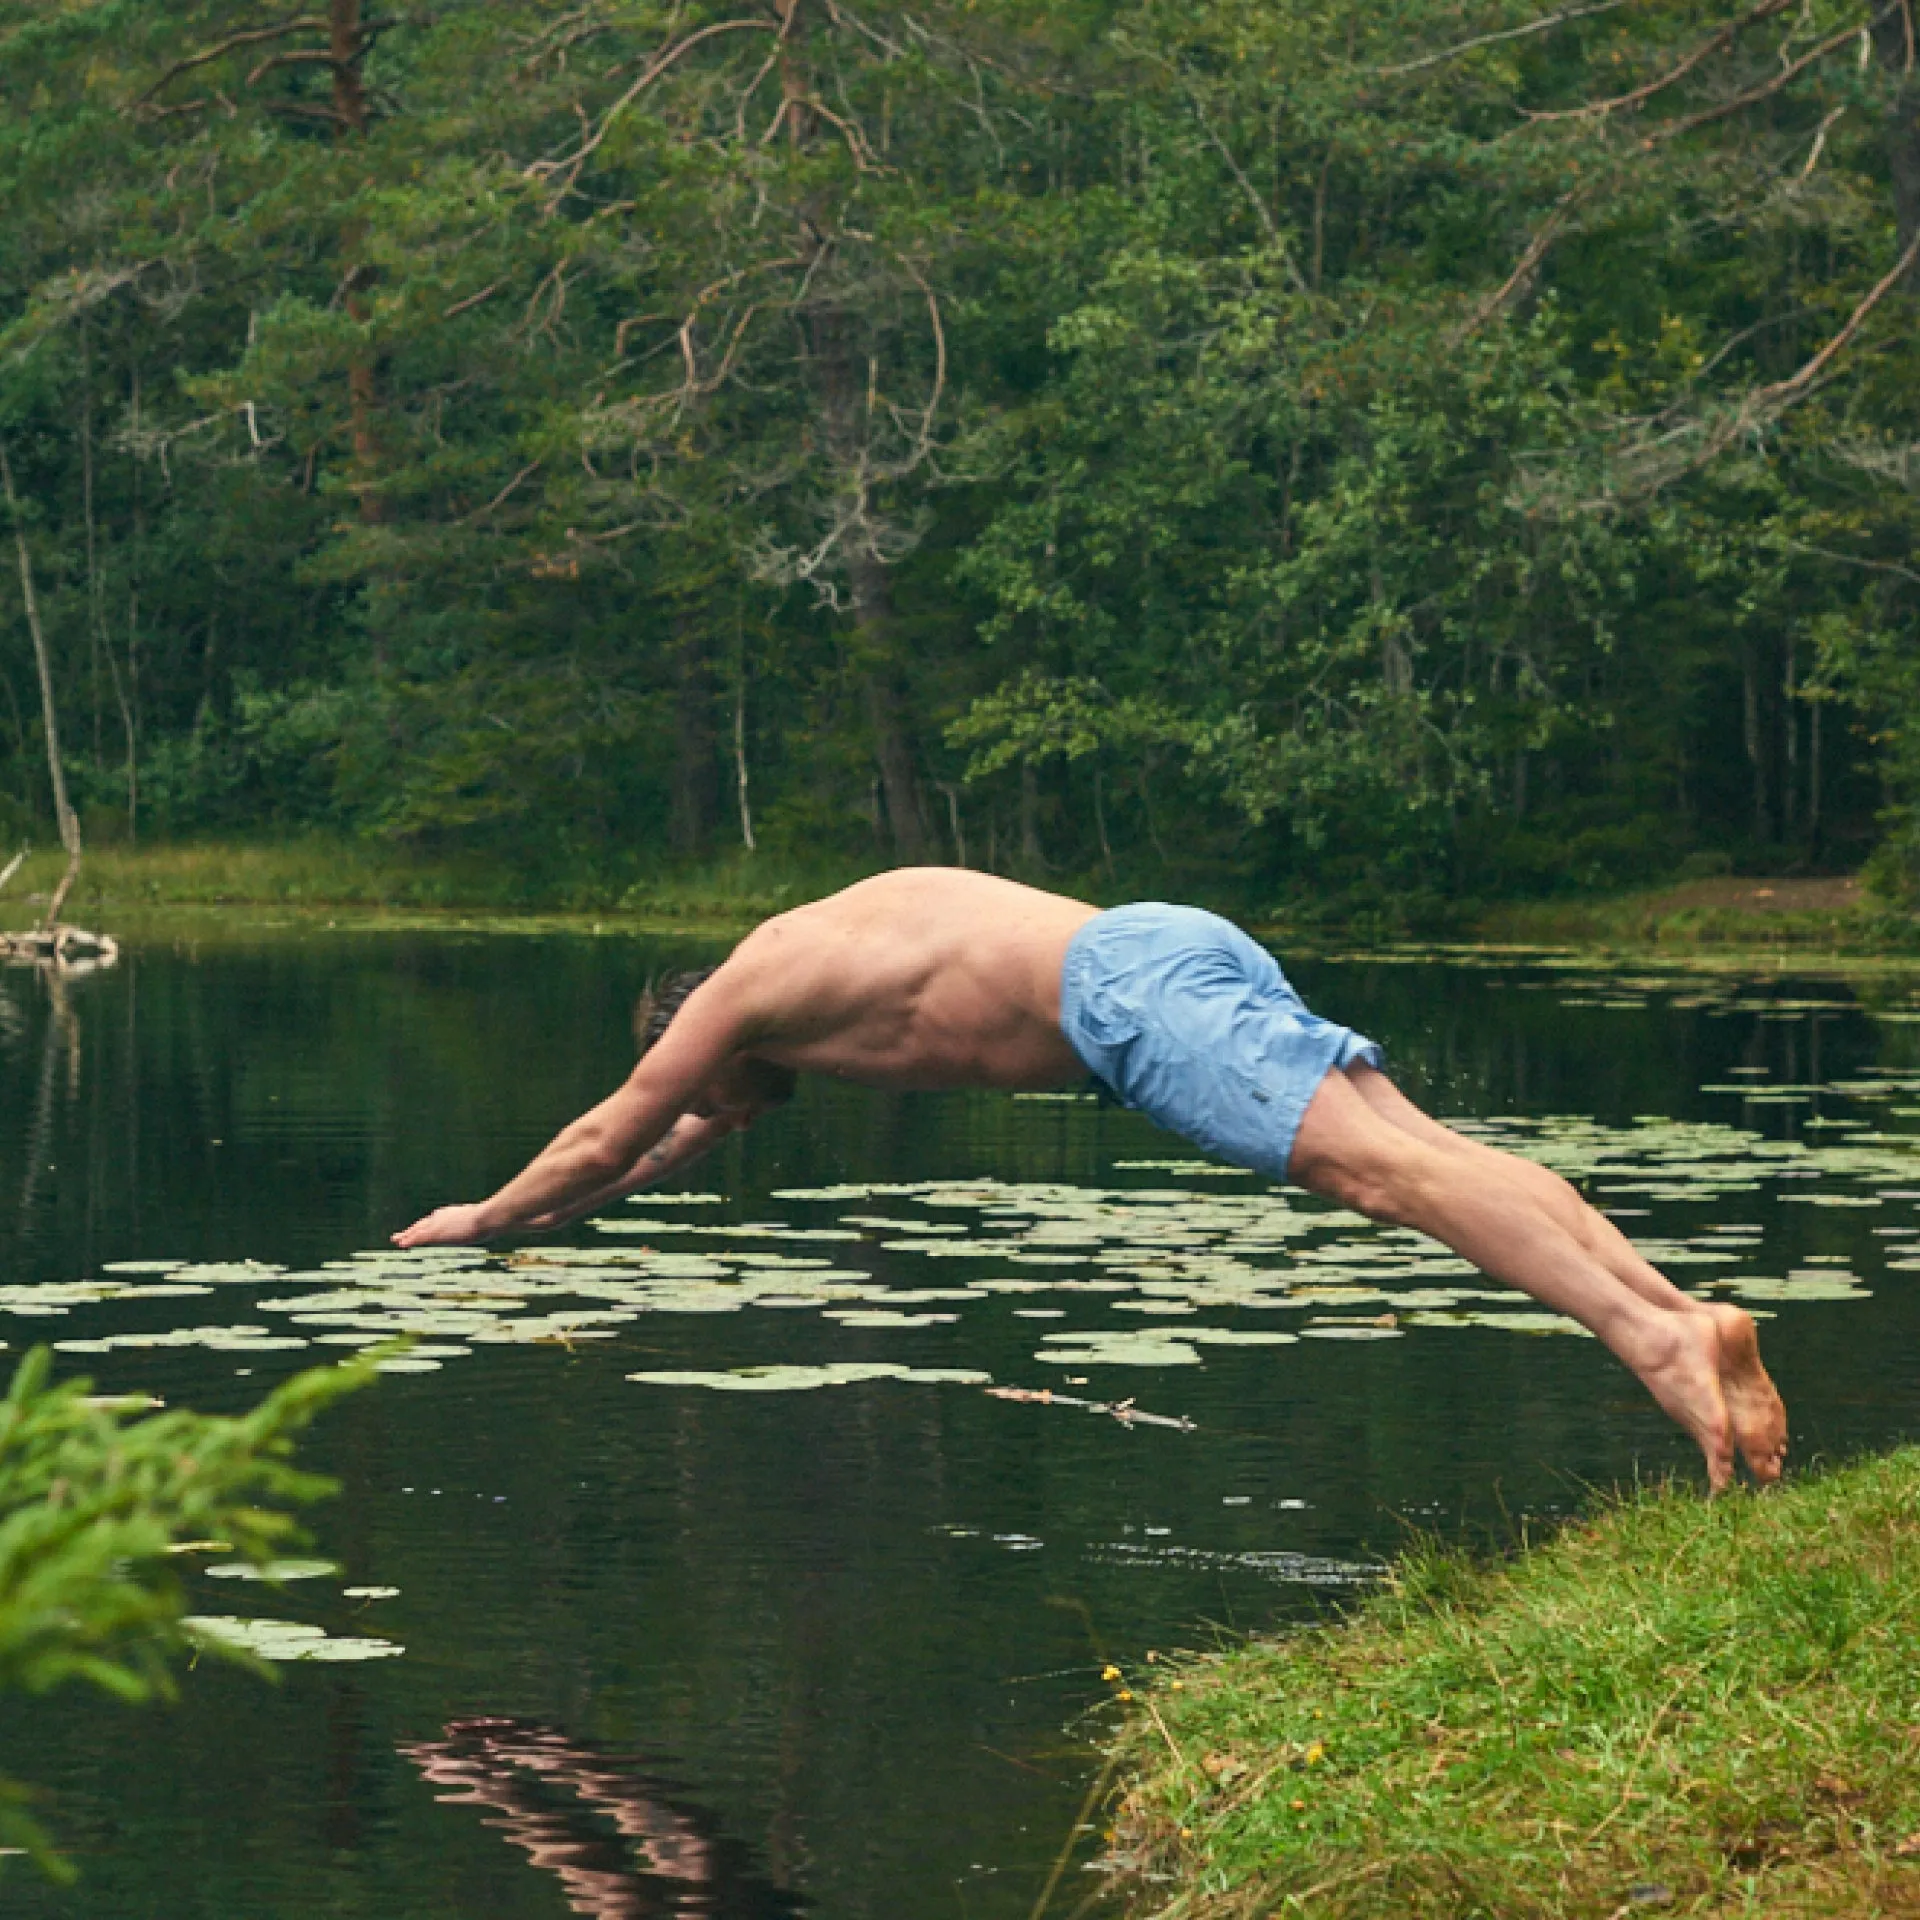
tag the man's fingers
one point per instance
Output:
(444, 1226)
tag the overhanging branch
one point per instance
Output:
(1714, 43)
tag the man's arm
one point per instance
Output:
(606, 1144)
(687, 1140)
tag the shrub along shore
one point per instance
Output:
(1680, 1706)
(1817, 919)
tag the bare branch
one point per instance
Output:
(473, 299)
(627, 325)
(1820, 142)
(1852, 560)
(1741, 101)
(252, 38)
(863, 160)
(1454, 52)
(765, 67)
(532, 467)
(1714, 43)
(1783, 393)
(303, 110)
(1763, 403)
(302, 57)
(923, 440)
(1530, 260)
(570, 164)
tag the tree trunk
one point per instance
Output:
(1756, 747)
(346, 46)
(97, 606)
(1813, 781)
(1032, 856)
(1894, 41)
(62, 807)
(843, 396)
(740, 757)
(695, 787)
(892, 748)
(134, 550)
(1790, 741)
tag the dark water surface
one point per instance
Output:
(677, 1650)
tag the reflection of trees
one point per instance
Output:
(555, 1798)
(62, 1031)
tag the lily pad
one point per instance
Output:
(287, 1640)
(275, 1571)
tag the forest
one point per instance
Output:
(1453, 449)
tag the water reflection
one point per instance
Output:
(555, 1798)
(60, 1039)
(857, 1620)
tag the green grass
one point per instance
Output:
(322, 872)
(1640, 922)
(1684, 1707)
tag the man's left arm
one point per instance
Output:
(687, 1140)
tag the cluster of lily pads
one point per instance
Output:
(1137, 1275)
(288, 1640)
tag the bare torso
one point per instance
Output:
(923, 977)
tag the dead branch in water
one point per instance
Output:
(65, 949)
(1122, 1410)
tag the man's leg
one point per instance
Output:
(1759, 1418)
(1496, 1218)
(1559, 1197)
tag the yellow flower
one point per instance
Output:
(1315, 1754)
(1109, 1672)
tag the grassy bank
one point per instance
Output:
(1834, 915)
(1718, 918)
(318, 872)
(1682, 1707)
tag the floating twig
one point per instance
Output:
(1122, 1410)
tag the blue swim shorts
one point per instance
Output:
(1190, 1020)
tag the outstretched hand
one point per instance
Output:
(444, 1227)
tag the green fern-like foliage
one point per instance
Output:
(95, 1494)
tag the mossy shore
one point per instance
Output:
(1814, 925)
(1787, 916)
(1680, 1707)
(362, 883)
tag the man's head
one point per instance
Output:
(744, 1087)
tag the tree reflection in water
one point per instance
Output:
(557, 1798)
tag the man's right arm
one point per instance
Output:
(686, 1141)
(606, 1144)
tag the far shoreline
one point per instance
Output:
(209, 891)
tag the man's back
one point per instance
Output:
(922, 977)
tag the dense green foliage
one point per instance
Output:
(94, 1494)
(1703, 1707)
(1447, 448)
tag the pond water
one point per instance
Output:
(829, 1638)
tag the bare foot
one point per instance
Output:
(1681, 1369)
(1754, 1405)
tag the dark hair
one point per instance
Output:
(660, 1000)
